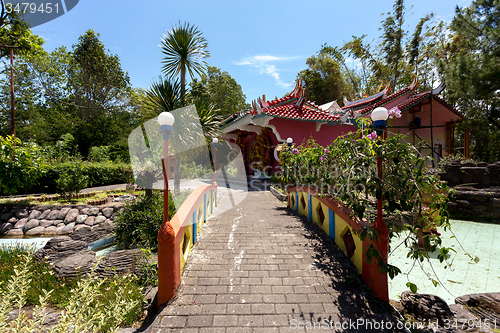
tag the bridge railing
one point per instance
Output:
(334, 218)
(177, 239)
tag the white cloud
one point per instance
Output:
(263, 63)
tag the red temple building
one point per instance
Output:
(424, 117)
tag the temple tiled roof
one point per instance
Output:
(306, 112)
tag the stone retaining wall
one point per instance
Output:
(52, 220)
(477, 190)
(481, 174)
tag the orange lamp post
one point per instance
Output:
(379, 282)
(168, 275)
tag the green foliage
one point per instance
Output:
(100, 154)
(195, 171)
(472, 71)
(82, 91)
(139, 222)
(396, 57)
(184, 47)
(324, 81)
(347, 170)
(72, 180)
(20, 165)
(91, 304)
(221, 90)
(15, 32)
(97, 174)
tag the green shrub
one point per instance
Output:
(91, 304)
(72, 180)
(139, 222)
(20, 166)
(194, 171)
(98, 174)
(99, 154)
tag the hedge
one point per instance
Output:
(98, 174)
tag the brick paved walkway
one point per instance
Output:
(261, 268)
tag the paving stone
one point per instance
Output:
(226, 320)
(199, 321)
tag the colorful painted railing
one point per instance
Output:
(176, 238)
(334, 218)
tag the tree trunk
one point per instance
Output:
(177, 171)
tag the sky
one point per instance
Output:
(261, 44)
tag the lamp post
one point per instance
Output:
(168, 271)
(289, 142)
(379, 283)
(215, 142)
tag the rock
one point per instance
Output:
(30, 225)
(84, 233)
(51, 230)
(6, 216)
(53, 215)
(68, 228)
(46, 223)
(71, 216)
(36, 231)
(15, 232)
(20, 224)
(59, 224)
(22, 213)
(12, 220)
(486, 301)
(425, 306)
(35, 214)
(45, 214)
(90, 220)
(93, 211)
(60, 247)
(81, 219)
(62, 213)
(4, 227)
(108, 211)
(99, 219)
(84, 211)
(75, 265)
(60, 228)
(103, 229)
(120, 262)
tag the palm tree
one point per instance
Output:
(164, 95)
(184, 48)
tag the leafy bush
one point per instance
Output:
(90, 304)
(63, 150)
(97, 174)
(20, 165)
(453, 158)
(195, 171)
(99, 154)
(139, 222)
(72, 180)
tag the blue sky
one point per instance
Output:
(262, 44)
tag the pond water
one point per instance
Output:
(464, 276)
(37, 242)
